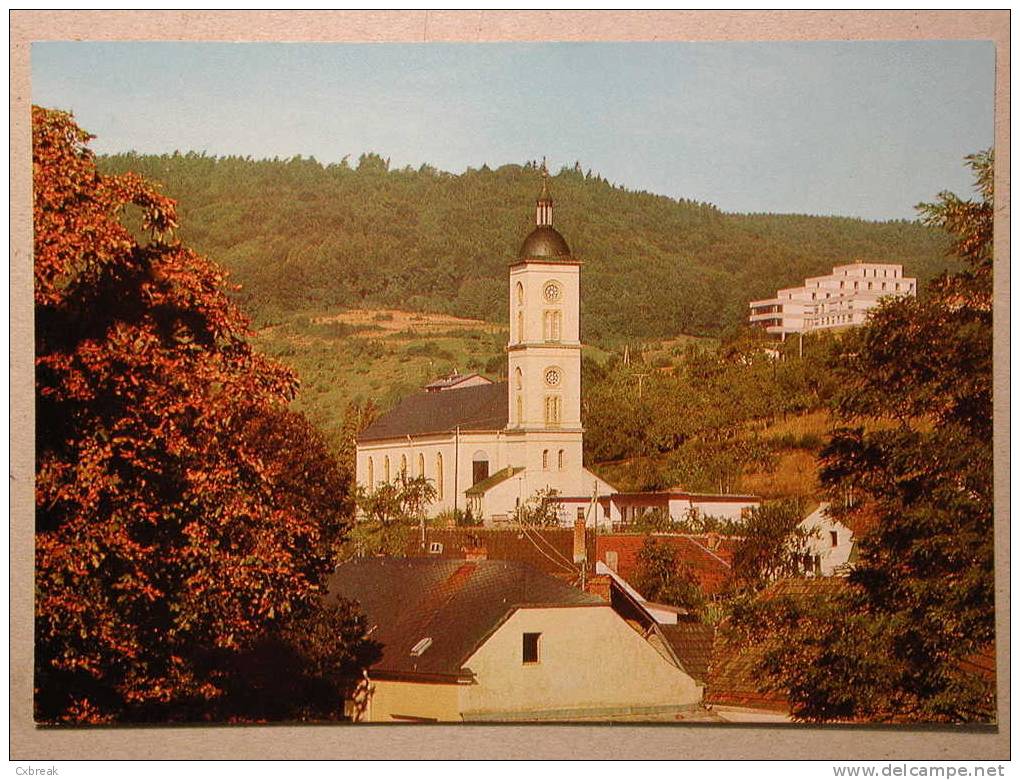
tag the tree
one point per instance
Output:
(182, 513)
(661, 576)
(540, 509)
(771, 544)
(915, 446)
(389, 515)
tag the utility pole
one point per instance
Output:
(640, 382)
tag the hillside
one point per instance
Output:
(298, 235)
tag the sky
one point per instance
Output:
(864, 129)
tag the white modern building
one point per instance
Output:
(488, 446)
(839, 300)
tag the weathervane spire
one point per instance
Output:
(544, 208)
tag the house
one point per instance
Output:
(487, 447)
(837, 300)
(828, 545)
(623, 509)
(500, 641)
(558, 552)
(709, 556)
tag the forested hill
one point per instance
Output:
(297, 234)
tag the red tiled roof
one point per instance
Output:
(734, 676)
(550, 550)
(711, 566)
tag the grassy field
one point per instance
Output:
(793, 472)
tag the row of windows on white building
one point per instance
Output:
(561, 462)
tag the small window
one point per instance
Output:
(435, 548)
(545, 459)
(530, 649)
(580, 513)
(834, 537)
(560, 459)
(421, 646)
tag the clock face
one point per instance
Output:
(552, 376)
(552, 292)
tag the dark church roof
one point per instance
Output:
(479, 408)
(545, 243)
(455, 605)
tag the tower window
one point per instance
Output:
(520, 327)
(529, 649)
(520, 294)
(552, 324)
(552, 410)
(545, 459)
(560, 460)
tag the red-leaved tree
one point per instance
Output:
(182, 514)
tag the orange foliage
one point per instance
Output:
(169, 522)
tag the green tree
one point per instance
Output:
(915, 448)
(771, 544)
(662, 577)
(389, 516)
(540, 509)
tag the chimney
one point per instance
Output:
(580, 553)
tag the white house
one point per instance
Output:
(501, 641)
(828, 545)
(838, 300)
(487, 447)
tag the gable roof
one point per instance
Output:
(454, 379)
(477, 408)
(550, 550)
(712, 567)
(692, 642)
(735, 674)
(456, 604)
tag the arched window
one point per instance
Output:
(560, 460)
(371, 475)
(520, 409)
(421, 464)
(439, 476)
(545, 459)
(518, 379)
(520, 327)
(403, 465)
(552, 324)
(386, 469)
(479, 467)
(520, 294)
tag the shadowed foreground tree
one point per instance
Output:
(915, 450)
(183, 516)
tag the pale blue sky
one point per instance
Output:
(862, 129)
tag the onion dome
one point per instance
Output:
(544, 242)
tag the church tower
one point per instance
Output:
(544, 352)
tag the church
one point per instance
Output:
(488, 447)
